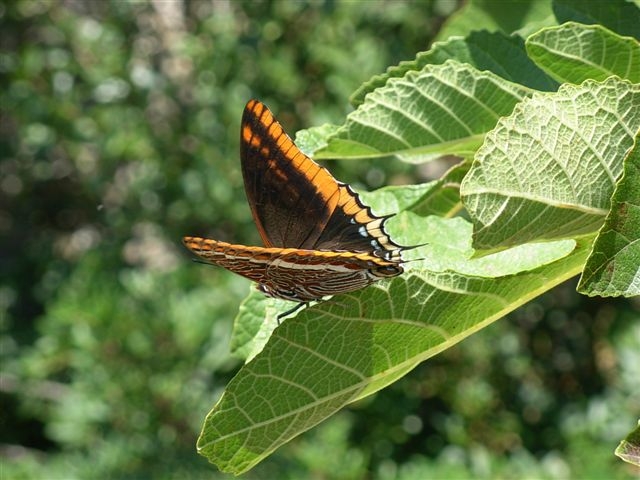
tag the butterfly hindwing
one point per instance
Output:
(353, 227)
(293, 274)
(250, 262)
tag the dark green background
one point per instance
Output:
(119, 134)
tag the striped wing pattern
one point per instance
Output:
(320, 239)
(294, 274)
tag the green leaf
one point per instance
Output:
(396, 199)
(312, 139)
(620, 16)
(496, 52)
(524, 16)
(439, 110)
(443, 199)
(613, 268)
(548, 171)
(440, 197)
(574, 53)
(629, 448)
(352, 345)
(246, 326)
(256, 319)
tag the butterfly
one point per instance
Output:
(320, 238)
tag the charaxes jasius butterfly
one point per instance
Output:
(320, 239)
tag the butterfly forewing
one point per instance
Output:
(297, 203)
(291, 197)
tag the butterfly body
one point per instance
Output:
(320, 239)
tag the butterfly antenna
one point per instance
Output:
(414, 260)
(411, 248)
(414, 246)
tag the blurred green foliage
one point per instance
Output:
(119, 134)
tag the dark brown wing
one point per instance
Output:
(297, 203)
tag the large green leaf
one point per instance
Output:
(574, 52)
(496, 52)
(620, 16)
(613, 268)
(523, 16)
(334, 353)
(441, 109)
(548, 171)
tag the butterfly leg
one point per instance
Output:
(291, 310)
